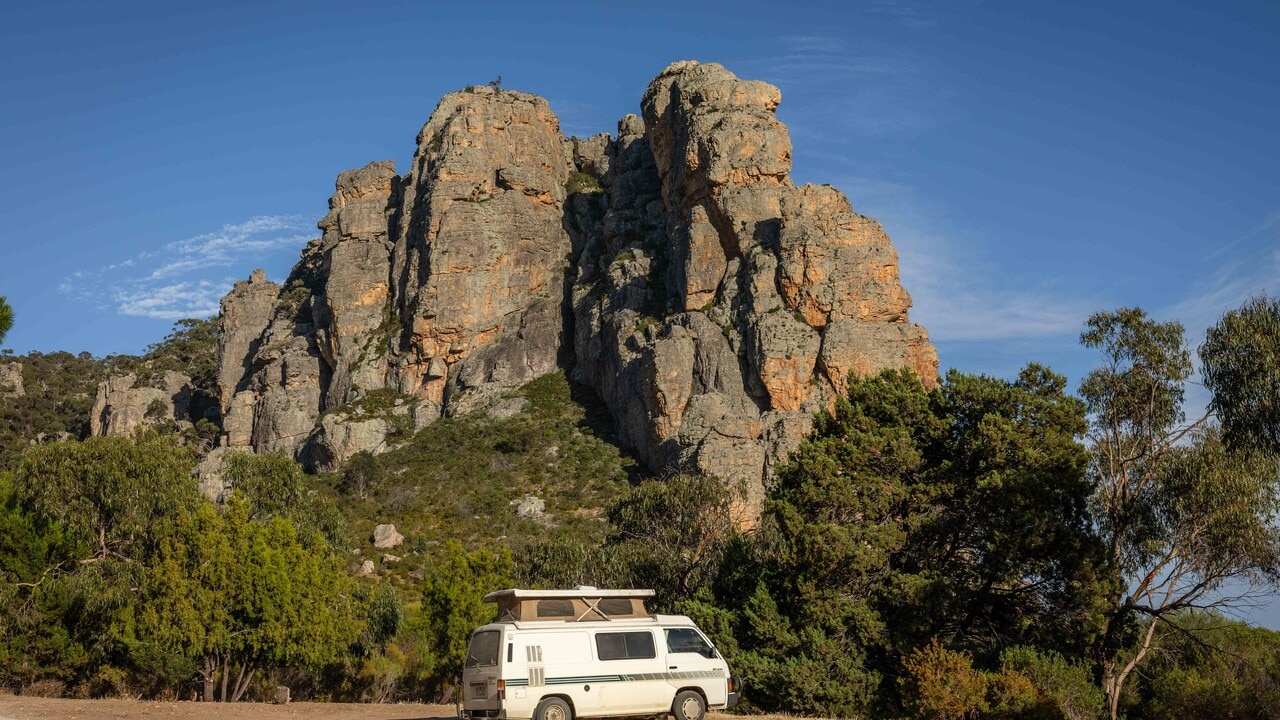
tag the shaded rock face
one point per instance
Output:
(122, 407)
(675, 268)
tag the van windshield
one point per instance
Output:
(484, 648)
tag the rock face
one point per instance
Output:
(121, 407)
(11, 380)
(674, 268)
(718, 306)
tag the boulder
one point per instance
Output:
(385, 536)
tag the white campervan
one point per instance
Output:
(560, 654)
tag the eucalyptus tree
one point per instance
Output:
(6, 318)
(1187, 519)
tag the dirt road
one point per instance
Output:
(33, 708)
(14, 707)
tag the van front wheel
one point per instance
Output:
(688, 705)
(553, 708)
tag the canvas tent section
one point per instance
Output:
(581, 604)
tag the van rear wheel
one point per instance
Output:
(689, 705)
(553, 708)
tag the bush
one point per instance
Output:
(941, 684)
(1064, 689)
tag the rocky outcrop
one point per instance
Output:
(122, 406)
(718, 306)
(11, 380)
(482, 252)
(675, 268)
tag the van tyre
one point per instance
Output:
(689, 705)
(553, 708)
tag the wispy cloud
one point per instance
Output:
(958, 293)
(864, 86)
(186, 277)
(1250, 266)
(171, 302)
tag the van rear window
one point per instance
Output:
(483, 649)
(624, 645)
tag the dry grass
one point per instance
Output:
(23, 707)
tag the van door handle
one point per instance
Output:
(672, 667)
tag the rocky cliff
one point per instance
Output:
(674, 268)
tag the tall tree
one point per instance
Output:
(1181, 515)
(235, 596)
(6, 318)
(957, 513)
(1241, 367)
(111, 492)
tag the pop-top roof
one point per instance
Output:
(583, 603)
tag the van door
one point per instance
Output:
(632, 681)
(692, 661)
(481, 671)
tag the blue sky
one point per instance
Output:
(1033, 162)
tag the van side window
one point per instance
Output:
(555, 608)
(625, 645)
(615, 606)
(686, 640)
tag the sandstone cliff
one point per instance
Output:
(676, 269)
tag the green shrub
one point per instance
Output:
(580, 182)
(1063, 688)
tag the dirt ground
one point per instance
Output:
(14, 707)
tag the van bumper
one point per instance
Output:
(735, 683)
(485, 714)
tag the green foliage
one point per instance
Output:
(580, 182)
(59, 390)
(6, 318)
(672, 533)
(453, 606)
(110, 493)
(273, 485)
(190, 348)
(1205, 665)
(879, 536)
(227, 592)
(1063, 689)
(1179, 513)
(1241, 367)
(463, 477)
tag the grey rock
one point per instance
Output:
(11, 380)
(366, 568)
(385, 536)
(508, 407)
(121, 406)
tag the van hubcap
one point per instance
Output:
(554, 712)
(691, 708)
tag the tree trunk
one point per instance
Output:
(209, 672)
(1113, 679)
(1110, 688)
(242, 682)
(226, 675)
